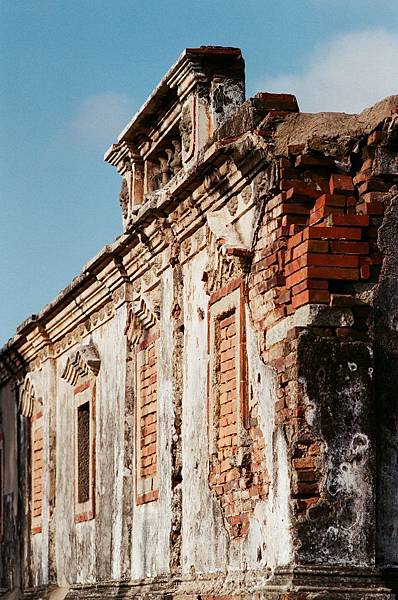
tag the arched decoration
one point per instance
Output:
(139, 318)
(27, 398)
(83, 361)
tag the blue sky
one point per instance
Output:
(72, 72)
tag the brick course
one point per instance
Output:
(307, 261)
(238, 475)
(37, 471)
(147, 422)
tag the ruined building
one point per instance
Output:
(209, 411)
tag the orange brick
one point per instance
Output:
(231, 331)
(347, 233)
(295, 240)
(227, 365)
(310, 246)
(332, 200)
(226, 408)
(322, 213)
(313, 272)
(370, 208)
(308, 462)
(227, 321)
(341, 184)
(334, 260)
(349, 220)
(349, 247)
(311, 297)
(301, 190)
(310, 284)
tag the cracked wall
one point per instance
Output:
(237, 349)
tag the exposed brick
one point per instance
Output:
(341, 184)
(301, 191)
(311, 296)
(343, 233)
(148, 419)
(349, 247)
(333, 200)
(312, 161)
(349, 220)
(310, 246)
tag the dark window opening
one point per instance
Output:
(83, 452)
(1, 492)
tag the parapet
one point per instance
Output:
(198, 94)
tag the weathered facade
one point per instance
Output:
(209, 411)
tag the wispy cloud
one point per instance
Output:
(346, 73)
(101, 117)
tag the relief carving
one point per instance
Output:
(140, 317)
(176, 161)
(212, 177)
(83, 361)
(233, 205)
(246, 194)
(27, 397)
(186, 127)
(124, 198)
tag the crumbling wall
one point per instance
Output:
(244, 313)
(151, 522)
(10, 566)
(205, 540)
(386, 381)
(92, 550)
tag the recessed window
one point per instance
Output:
(83, 452)
(147, 421)
(37, 469)
(84, 444)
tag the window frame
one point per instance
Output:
(84, 393)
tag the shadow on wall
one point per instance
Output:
(386, 384)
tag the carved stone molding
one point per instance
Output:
(186, 127)
(140, 317)
(83, 361)
(124, 198)
(27, 397)
(225, 262)
(233, 205)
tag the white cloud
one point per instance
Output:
(101, 117)
(347, 73)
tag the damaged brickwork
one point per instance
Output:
(209, 411)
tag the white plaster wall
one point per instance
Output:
(205, 541)
(10, 475)
(70, 538)
(205, 544)
(268, 542)
(8, 411)
(43, 382)
(151, 521)
(90, 551)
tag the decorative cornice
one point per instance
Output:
(83, 361)
(12, 365)
(94, 295)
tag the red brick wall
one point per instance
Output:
(227, 391)
(146, 421)
(318, 236)
(37, 470)
(238, 474)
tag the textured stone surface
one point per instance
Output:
(237, 346)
